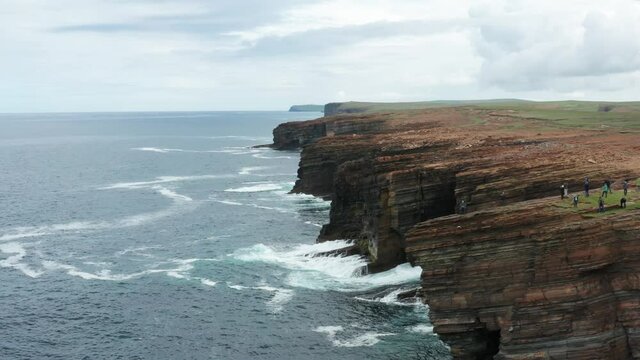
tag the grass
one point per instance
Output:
(588, 206)
(576, 114)
(553, 114)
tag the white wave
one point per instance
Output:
(241, 137)
(171, 194)
(136, 250)
(237, 287)
(15, 260)
(162, 180)
(179, 202)
(264, 157)
(280, 296)
(169, 150)
(313, 224)
(392, 299)
(180, 205)
(207, 282)
(256, 188)
(227, 202)
(340, 273)
(181, 271)
(250, 169)
(235, 203)
(280, 210)
(153, 149)
(35, 231)
(98, 263)
(366, 339)
(421, 329)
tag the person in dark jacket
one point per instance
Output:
(625, 186)
(601, 205)
(586, 186)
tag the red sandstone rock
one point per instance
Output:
(517, 276)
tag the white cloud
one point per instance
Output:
(71, 55)
(571, 46)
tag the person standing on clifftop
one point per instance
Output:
(609, 188)
(625, 186)
(623, 203)
(605, 190)
(562, 192)
(566, 190)
(576, 198)
(586, 187)
(601, 205)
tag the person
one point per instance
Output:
(605, 190)
(601, 205)
(575, 200)
(625, 186)
(586, 187)
(562, 192)
(609, 188)
(463, 207)
(623, 202)
(566, 190)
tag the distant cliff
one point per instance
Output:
(307, 108)
(520, 275)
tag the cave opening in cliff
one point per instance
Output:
(493, 343)
(440, 198)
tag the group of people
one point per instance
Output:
(606, 190)
(564, 193)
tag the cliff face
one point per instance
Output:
(542, 282)
(516, 276)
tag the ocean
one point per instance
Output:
(167, 236)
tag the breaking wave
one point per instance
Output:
(256, 188)
(340, 273)
(249, 170)
(391, 298)
(280, 296)
(15, 261)
(162, 180)
(366, 339)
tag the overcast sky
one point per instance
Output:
(118, 55)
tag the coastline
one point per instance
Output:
(513, 277)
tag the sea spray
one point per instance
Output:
(340, 273)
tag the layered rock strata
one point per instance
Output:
(516, 276)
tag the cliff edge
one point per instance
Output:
(521, 274)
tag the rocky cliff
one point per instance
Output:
(521, 275)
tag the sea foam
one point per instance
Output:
(340, 273)
(366, 339)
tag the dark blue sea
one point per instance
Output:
(167, 236)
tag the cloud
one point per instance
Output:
(68, 55)
(568, 48)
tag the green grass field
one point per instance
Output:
(595, 115)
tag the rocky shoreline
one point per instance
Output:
(521, 274)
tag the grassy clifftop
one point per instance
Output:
(563, 114)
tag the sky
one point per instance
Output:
(175, 55)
